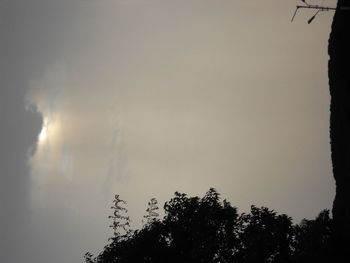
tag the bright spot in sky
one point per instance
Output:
(49, 130)
(43, 134)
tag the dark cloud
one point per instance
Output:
(19, 129)
(30, 33)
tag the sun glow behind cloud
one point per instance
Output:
(80, 154)
(43, 134)
(78, 150)
(52, 157)
(51, 131)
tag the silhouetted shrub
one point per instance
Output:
(210, 230)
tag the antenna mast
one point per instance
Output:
(317, 8)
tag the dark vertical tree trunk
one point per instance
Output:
(339, 84)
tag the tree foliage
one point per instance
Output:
(121, 222)
(207, 229)
(151, 212)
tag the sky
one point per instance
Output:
(143, 98)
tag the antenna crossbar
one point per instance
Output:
(317, 7)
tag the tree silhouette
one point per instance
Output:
(151, 212)
(339, 79)
(121, 222)
(88, 257)
(266, 236)
(201, 230)
(313, 239)
(210, 230)
(122, 234)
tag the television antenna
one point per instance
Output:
(318, 9)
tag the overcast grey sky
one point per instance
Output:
(146, 97)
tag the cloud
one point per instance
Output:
(18, 135)
(76, 167)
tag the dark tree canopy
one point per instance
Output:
(210, 230)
